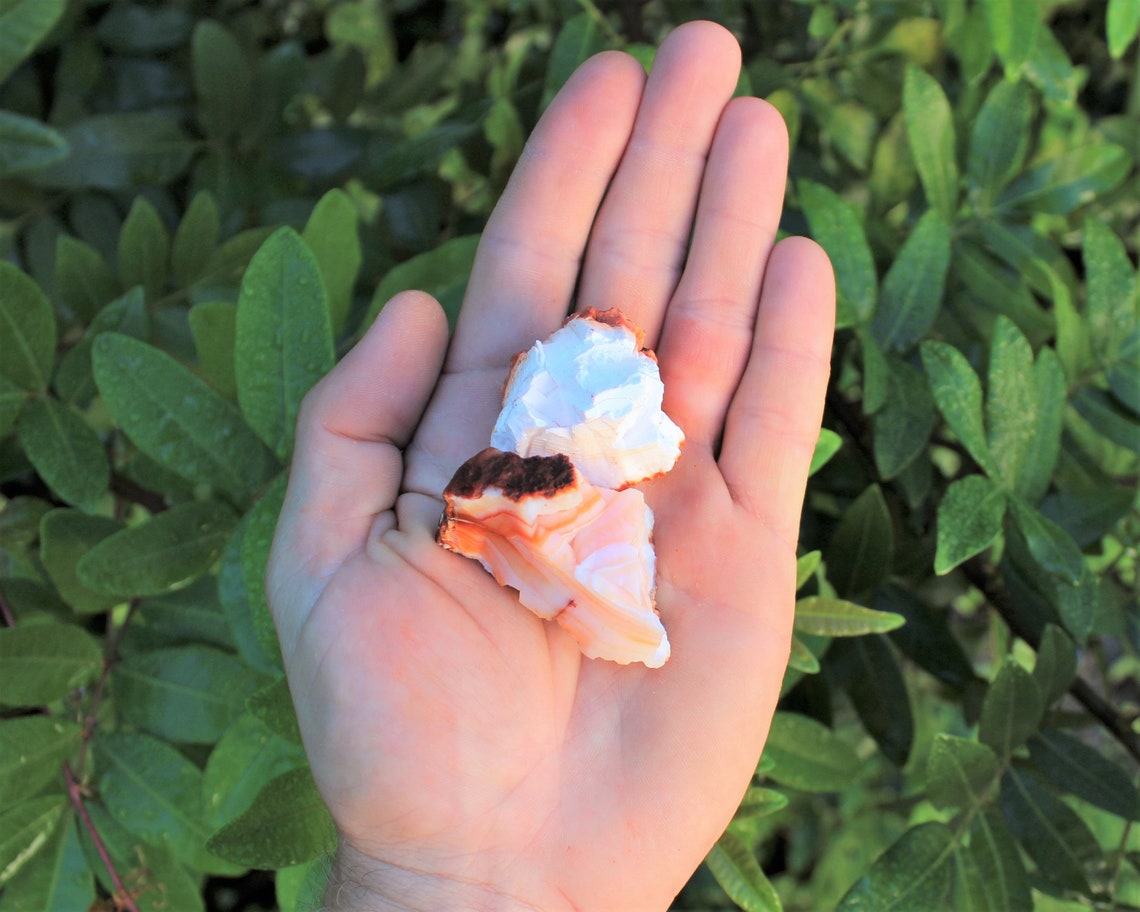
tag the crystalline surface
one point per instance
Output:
(576, 553)
(590, 391)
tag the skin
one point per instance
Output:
(470, 756)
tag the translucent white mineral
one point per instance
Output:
(593, 393)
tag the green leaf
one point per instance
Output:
(196, 238)
(12, 400)
(1122, 25)
(178, 420)
(74, 378)
(999, 140)
(1051, 546)
(1062, 184)
(1041, 459)
(223, 82)
(870, 674)
(925, 637)
(144, 249)
(153, 791)
(861, 549)
(912, 874)
(737, 871)
(83, 279)
(1013, 27)
(580, 37)
(66, 453)
(998, 872)
(819, 615)
(801, 658)
(137, 30)
(27, 330)
(1049, 830)
(233, 593)
(760, 802)
(806, 565)
(1056, 664)
(1011, 402)
(1108, 418)
(286, 825)
(166, 551)
(808, 755)
(214, 327)
(273, 706)
(930, 129)
(876, 372)
(1124, 374)
(189, 616)
(65, 537)
(20, 519)
(246, 757)
(1002, 289)
(1111, 312)
(441, 272)
(59, 881)
(835, 226)
(302, 887)
(332, 234)
(1074, 767)
(902, 426)
(256, 541)
(283, 343)
(25, 829)
(1011, 710)
(958, 392)
(959, 773)
(120, 151)
(23, 25)
(32, 751)
(826, 446)
(912, 289)
(41, 663)
(187, 694)
(27, 145)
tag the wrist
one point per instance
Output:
(360, 883)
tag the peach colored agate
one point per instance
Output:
(564, 527)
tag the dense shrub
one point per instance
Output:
(194, 195)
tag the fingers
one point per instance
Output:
(774, 419)
(639, 242)
(709, 324)
(530, 253)
(347, 465)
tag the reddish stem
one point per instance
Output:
(5, 611)
(123, 898)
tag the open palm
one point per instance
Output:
(470, 756)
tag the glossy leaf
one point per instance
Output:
(185, 694)
(75, 378)
(870, 674)
(960, 773)
(283, 342)
(1049, 830)
(970, 519)
(214, 327)
(999, 139)
(144, 249)
(223, 81)
(32, 752)
(835, 226)
(168, 550)
(272, 705)
(912, 289)
(806, 566)
(1123, 25)
(287, 824)
(1074, 767)
(255, 544)
(23, 25)
(65, 537)
(737, 871)
(1011, 710)
(246, 757)
(828, 444)
(40, 663)
(58, 880)
(27, 330)
(25, 829)
(809, 756)
(1013, 27)
(930, 128)
(27, 145)
(801, 658)
(66, 453)
(254, 647)
(914, 873)
(760, 802)
(441, 272)
(822, 616)
(196, 238)
(958, 393)
(331, 233)
(178, 420)
(861, 549)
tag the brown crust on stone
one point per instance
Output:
(516, 476)
(612, 317)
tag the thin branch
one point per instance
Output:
(5, 611)
(123, 897)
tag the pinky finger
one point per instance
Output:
(774, 419)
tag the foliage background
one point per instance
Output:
(202, 204)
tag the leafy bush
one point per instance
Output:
(202, 205)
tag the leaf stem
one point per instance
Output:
(5, 611)
(122, 898)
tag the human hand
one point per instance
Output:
(470, 756)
